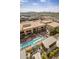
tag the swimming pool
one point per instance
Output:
(32, 42)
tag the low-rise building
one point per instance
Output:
(32, 26)
(51, 27)
(37, 26)
(53, 24)
(49, 41)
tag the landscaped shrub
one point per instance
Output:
(22, 36)
(44, 48)
(53, 53)
(44, 56)
(54, 31)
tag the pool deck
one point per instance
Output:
(33, 42)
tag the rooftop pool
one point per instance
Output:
(32, 42)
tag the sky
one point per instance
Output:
(39, 5)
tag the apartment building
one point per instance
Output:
(29, 27)
(32, 27)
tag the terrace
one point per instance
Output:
(27, 38)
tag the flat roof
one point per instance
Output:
(49, 41)
(37, 23)
(54, 24)
(46, 21)
(24, 23)
(33, 24)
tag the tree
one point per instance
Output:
(54, 31)
(44, 55)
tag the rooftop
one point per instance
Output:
(53, 24)
(37, 23)
(46, 21)
(49, 41)
(33, 24)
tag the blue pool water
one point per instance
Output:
(32, 42)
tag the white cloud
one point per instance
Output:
(35, 4)
(23, 1)
(41, 9)
(43, 0)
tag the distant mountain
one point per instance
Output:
(36, 15)
(28, 14)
